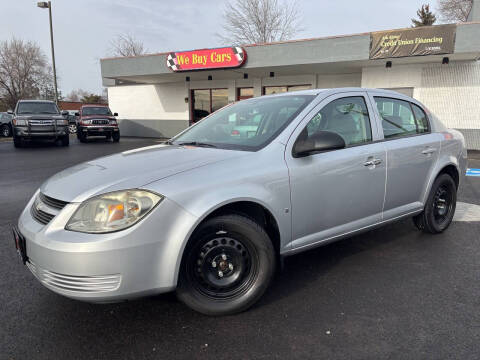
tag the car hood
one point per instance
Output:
(40, 117)
(129, 169)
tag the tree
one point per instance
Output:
(76, 95)
(425, 17)
(24, 72)
(92, 99)
(260, 21)
(454, 10)
(126, 45)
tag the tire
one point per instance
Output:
(440, 206)
(5, 130)
(239, 249)
(116, 136)
(17, 142)
(108, 137)
(82, 138)
(65, 140)
(72, 128)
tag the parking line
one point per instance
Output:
(467, 212)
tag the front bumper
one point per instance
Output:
(28, 133)
(141, 260)
(98, 130)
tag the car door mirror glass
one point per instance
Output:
(318, 142)
(115, 114)
(77, 114)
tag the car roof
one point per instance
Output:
(43, 101)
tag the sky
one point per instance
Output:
(83, 29)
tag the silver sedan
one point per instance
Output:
(212, 212)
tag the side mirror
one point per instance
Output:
(64, 112)
(115, 114)
(320, 141)
(77, 114)
(10, 112)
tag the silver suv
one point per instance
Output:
(39, 120)
(210, 214)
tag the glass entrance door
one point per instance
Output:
(206, 101)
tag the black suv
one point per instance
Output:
(39, 119)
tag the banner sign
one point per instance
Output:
(220, 58)
(423, 40)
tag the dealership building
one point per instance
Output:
(159, 95)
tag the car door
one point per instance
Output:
(412, 150)
(340, 191)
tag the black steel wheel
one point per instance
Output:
(227, 266)
(440, 206)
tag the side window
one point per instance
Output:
(421, 118)
(397, 117)
(347, 117)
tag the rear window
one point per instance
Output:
(36, 108)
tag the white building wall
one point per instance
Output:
(150, 110)
(452, 92)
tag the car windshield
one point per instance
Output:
(37, 108)
(247, 125)
(96, 110)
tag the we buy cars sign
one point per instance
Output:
(220, 58)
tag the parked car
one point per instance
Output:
(72, 123)
(97, 120)
(212, 214)
(5, 124)
(38, 120)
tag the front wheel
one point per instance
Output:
(6, 130)
(17, 142)
(116, 136)
(227, 266)
(72, 129)
(65, 141)
(440, 206)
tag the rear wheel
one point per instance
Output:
(227, 266)
(5, 130)
(440, 206)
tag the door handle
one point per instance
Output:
(429, 151)
(372, 162)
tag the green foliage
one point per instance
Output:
(425, 17)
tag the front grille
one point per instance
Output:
(79, 284)
(54, 203)
(100, 122)
(45, 208)
(41, 216)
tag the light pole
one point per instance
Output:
(48, 5)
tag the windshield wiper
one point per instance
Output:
(196, 143)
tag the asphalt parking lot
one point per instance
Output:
(389, 293)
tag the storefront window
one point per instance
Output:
(244, 93)
(269, 90)
(206, 101)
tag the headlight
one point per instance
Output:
(113, 211)
(113, 122)
(18, 122)
(62, 122)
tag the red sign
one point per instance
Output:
(221, 58)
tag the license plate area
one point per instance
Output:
(20, 245)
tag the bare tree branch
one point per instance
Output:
(260, 21)
(126, 45)
(24, 72)
(454, 10)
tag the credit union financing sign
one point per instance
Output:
(221, 58)
(423, 40)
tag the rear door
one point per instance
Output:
(412, 150)
(338, 191)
